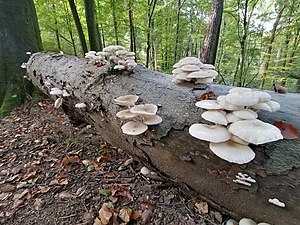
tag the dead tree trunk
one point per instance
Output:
(276, 167)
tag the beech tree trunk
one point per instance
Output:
(89, 7)
(163, 147)
(210, 44)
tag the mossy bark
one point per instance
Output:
(19, 33)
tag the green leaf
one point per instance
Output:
(105, 192)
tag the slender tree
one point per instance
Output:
(113, 9)
(151, 8)
(209, 47)
(89, 7)
(131, 26)
(19, 33)
(270, 46)
(78, 26)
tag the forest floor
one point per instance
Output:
(54, 173)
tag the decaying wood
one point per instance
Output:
(276, 166)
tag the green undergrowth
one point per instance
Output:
(11, 100)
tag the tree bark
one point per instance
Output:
(210, 44)
(164, 146)
(89, 7)
(131, 27)
(78, 26)
(151, 7)
(113, 9)
(19, 33)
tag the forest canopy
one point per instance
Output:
(258, 40)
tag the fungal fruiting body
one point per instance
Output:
(140, 116)
(236, 111)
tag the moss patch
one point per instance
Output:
(11, 100)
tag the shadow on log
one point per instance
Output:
(275, 168)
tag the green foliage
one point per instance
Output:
(11, 100)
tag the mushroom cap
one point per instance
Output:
(240, 90)
(176, 65)
(230, 107)
(56, 91)
(246, 221)
(121, 52)
(238, 140)
(58, 103)
(262, 106)
(242, 99)
(119, 67)
(146, 109)
(263, 223)
(245, 114)
(255, 131)
(231, 222)
(231, 118)
(190, 61)
(134, 128)
(208, 104)
(273, 105)
(182, 76)
(126, 100)
(232, 152)
(206, 66)
(215, 116)
(212, 133)
(130, 53)
(151, 120)
(206, 80)
(126, 114)
(263, 96)
(198, 74)
(190, 68)
(80, 105)
(177, 70)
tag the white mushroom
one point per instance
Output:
(119, 67)
(215, 116)
(80, 105)
(255, 131)
(126, 100)
(190, 61)
(151, 120)
(58, 103)
(262, 106)
(239, 90)
(190, 68)
(238, 140)
(134, 128)
(273, 105)
(56, 91)
(263, 96)
(126, 114)
(208, 104)
(231, 222)
(245, 114)
(211, 133)
(276, 202)
(231, 118)
(232, 152)
(242, 99)
(146, 109)
(206, 80)
(246, 221)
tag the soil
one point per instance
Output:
(54, 173)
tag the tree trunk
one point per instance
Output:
(179, 5)
(78, 26)
(131, 27)
(113, 9)
(91, 24)
(151, 7)
(19, 33)
(270, 48)
(56, 28)
(210, 44)
(164, 146)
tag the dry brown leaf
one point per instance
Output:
(106, 212)
(38, 204)
(97, 221)
(21, 195)
(202, 207)
(43, 189)
(136, 214)
(125, 214)
(65, 194)
(88, 217)
(7, 188)
(4, 196)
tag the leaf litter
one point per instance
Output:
(54, 173)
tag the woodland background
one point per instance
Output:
(253, 43)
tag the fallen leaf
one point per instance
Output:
(65, 194)
(207, 95)
(7, 188)
(97, 221)
(217, 216)
(125, 214)
(105, 192)
(4, 196)
(61, 176)
(38, 204)
(287, 130)
(106, 212)
(202, 207)
(43, 189)
(88, 217)
(136, 214)
(261, 173)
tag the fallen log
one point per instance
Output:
(275, 168)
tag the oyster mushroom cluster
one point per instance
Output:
(244, 221)
(60, 95)
(116, 54)
(192, 70)
(236, 124)
(139, 116)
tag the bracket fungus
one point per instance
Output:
(192, 70)
(140, 115)
(234, 111)
(276, 202)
